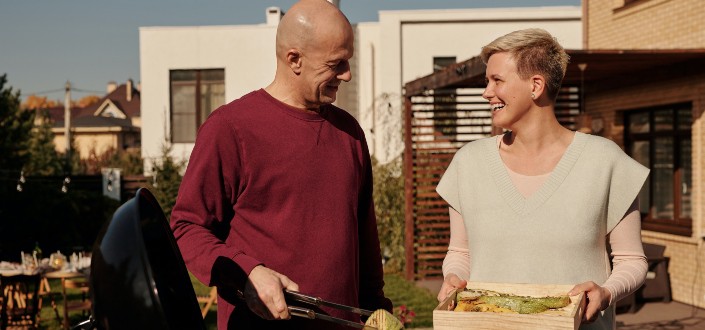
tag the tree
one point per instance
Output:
(38, 102)
(87, 100)
(43, 160)
(166, 180)
(16, 129)
(130, 161)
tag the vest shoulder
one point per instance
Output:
(602, 145)
(477, 145)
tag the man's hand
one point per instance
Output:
(596, 299)
(264, 293)
(450, 284)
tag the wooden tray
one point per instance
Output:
(567, 318)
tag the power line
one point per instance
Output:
(61, 90)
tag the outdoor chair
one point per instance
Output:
(208, 301)
(20, 301)
(658, 280)
(82, 304)
(657, 285)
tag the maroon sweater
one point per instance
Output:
(269, 184)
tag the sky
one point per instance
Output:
(45, 43)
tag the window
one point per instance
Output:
(194, 95)
(660, 139)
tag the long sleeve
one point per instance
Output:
(200, 218)
(628, 259)
(457, 260)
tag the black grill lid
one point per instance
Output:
(138, 276)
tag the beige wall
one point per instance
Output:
(651, 25)
(100, 142)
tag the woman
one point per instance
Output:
(542, 204)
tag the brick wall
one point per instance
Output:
(657, 24)
(646, 24)
(608, 100)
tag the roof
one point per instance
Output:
(97, 121)
(118, 97)
(601, 64)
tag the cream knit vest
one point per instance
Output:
(558, 234)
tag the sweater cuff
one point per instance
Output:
(246, 262)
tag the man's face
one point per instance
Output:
(326, 66)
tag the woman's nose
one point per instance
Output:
(487, 94)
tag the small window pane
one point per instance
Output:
(663, 178)
(183, 75)
(663, 120)
(686, 178)
(213, 75)
(685, 119)
(182, 128)
(441, 62)
(639, 123)
(212, 96)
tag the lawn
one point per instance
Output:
(400, 291)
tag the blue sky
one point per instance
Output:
(44, 43)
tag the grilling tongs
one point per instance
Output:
(315, 301)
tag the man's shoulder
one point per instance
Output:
(243, 106)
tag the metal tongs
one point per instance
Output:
(315, 301)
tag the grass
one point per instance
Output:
(398, 289)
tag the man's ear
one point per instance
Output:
(538, 86)
(293, 59)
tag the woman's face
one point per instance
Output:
(509, 95)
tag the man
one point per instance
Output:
(278, 191)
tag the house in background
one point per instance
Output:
(640, 81)
(187, 72)
(111, 123)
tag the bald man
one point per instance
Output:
(278, 191)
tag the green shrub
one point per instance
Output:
(389, 206)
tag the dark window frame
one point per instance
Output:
(199, 111)
(682, 226)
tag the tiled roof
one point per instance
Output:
(118, 97)
(96, 121)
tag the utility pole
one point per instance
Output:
(67, 124)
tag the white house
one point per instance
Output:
(218, 64)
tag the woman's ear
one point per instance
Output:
(538, 86)
(293, 59)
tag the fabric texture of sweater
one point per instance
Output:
(268, 184)
(558, 234)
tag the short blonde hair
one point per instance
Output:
(535, 51)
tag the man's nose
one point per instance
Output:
(345, 74)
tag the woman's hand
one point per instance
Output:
(596, 299)
(450, 284)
